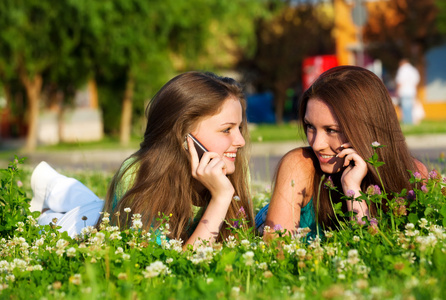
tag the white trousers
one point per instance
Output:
(66, 199)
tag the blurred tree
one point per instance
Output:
(298, 29)
(401, 28)
(441, 16)
(33, 38)
(144, 43)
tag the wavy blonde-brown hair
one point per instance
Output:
(163, 182)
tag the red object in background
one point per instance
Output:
(314, 66)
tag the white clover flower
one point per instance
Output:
(60, 252)
(136, 224)
(231, 241)
(263, 266)
(235, 291)
(39, 242)
(119, 250)
(209, 280)
(156, 268)
(62, 243)
(169, 260)
(10, 277)
(37, 268)
(203, 254)
(244, 243)
(301, 253)
(376, 144)
(127, 209)
(423, 223)
(249, 258)
(125, 256)
(410, 256)
(410, 226)
(76, 279)
(71, 252)
(356, 238)
(176, 245)
(353, 257)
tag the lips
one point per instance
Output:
(325, 159)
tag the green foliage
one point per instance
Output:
(370, 260)
(14, 205)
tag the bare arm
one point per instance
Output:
(211, 172)
(292, 190)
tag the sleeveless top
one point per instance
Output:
(307, 219)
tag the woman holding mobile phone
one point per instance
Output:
(166, 175)
(343, 112)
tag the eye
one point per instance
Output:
(227, 130)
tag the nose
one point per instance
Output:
(318, 141)
(239, 140)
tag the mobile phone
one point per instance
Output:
(198, 146)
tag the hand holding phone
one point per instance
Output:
(198, 146)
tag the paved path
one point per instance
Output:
(264, 156)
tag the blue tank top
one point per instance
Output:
(307, 219)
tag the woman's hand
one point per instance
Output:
(355, 171)
(351, 179)
(210, 171)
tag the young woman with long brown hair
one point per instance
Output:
(166, 176)
(343, 112)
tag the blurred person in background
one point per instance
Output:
(407, 79)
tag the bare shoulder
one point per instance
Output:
(421, 168)
(298, 159)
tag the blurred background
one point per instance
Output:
(79, 71)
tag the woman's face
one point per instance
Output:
(220, 133)
(324, 135)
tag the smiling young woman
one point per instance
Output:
(345, 110)
(164, 176)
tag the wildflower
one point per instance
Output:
(231, 241)
(329, 183)
(76, 279)
(424, 188)
(423, 222)
(249, 258)
(267, 274)
(209, 280)
(400, 207)
(417, 176)
(373, 190)
(169, 260)
(228, 268)
(443, 191)
(350, 193)
(277, 227)
(84, 218)
(127, 209)
(236, 198)
(235, 291)
(156, 268)
(71, 252)
(411, 195)
(375, 144)
(19, 184)
(353, 257)
(356, 238)
(263, 266)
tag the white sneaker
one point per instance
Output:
(42, 175)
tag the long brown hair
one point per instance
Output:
(365, 114)
(163, 182)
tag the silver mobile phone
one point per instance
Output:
(198, 146)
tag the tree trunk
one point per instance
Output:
(126, 115)
(33, 88)
(280, 98)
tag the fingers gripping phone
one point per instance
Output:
(198, 146)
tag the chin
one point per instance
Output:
(331, 169)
